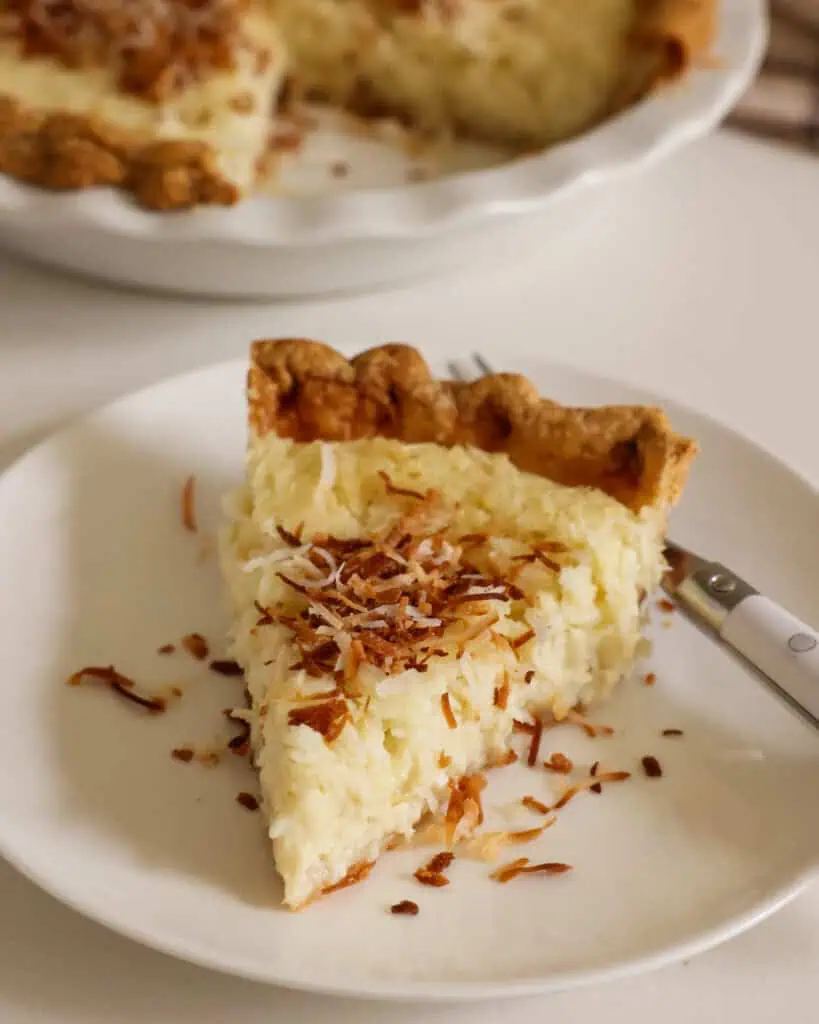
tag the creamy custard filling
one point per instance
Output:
(396, 609)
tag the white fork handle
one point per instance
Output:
(782, 649)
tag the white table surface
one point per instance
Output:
(700, 280)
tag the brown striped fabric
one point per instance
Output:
(783, 103)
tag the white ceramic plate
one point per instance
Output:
(96, 569)
(371, 228)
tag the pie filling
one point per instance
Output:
(397, 607)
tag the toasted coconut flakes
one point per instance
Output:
(533, 804)
(434, 879)
(119, 684)
(521, 866)
(326, 717)
(665, 606)
(519, 641)
(432, 873)
(166, 649)
(501, 698)
(569, 795)
(652, 767)
(546, 868)
(488, 845)
(650, 678)
(432, 833)
(440, 862)
(240, 743)
(525, 727)
(592, 780)
(464, 810)
(265, 615)
(559, 763)
(556, 547)
(589, 728)
(446, 707)
(469, 540)
(189, 504)
(475, 630)
(396, 594)
(473, 786)
(196, 645)
(499, 641)
(404, 492)
(534, 746)
(154, 50)
(443, 760)
(672, 732)
(504, 759)
(290, 539)
(357, 873)
(508, 871)
(182, 754)
(406, 907)
(538, 554)
(226, 667)
(550, 563)
(526, 835)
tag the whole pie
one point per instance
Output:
(416, 569)
(176, 100)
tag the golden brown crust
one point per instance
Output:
(69, 151)
(307, 391)
(682, 31)
(669, 37)
(357, 873)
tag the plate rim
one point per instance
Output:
(180, 947)
(638, 138)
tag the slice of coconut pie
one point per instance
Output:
(415, 564)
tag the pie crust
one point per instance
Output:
(307, 391)
(68, 151)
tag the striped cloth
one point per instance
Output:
(783, 103)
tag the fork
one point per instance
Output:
(778, 648)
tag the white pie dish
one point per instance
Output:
(351, 235)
